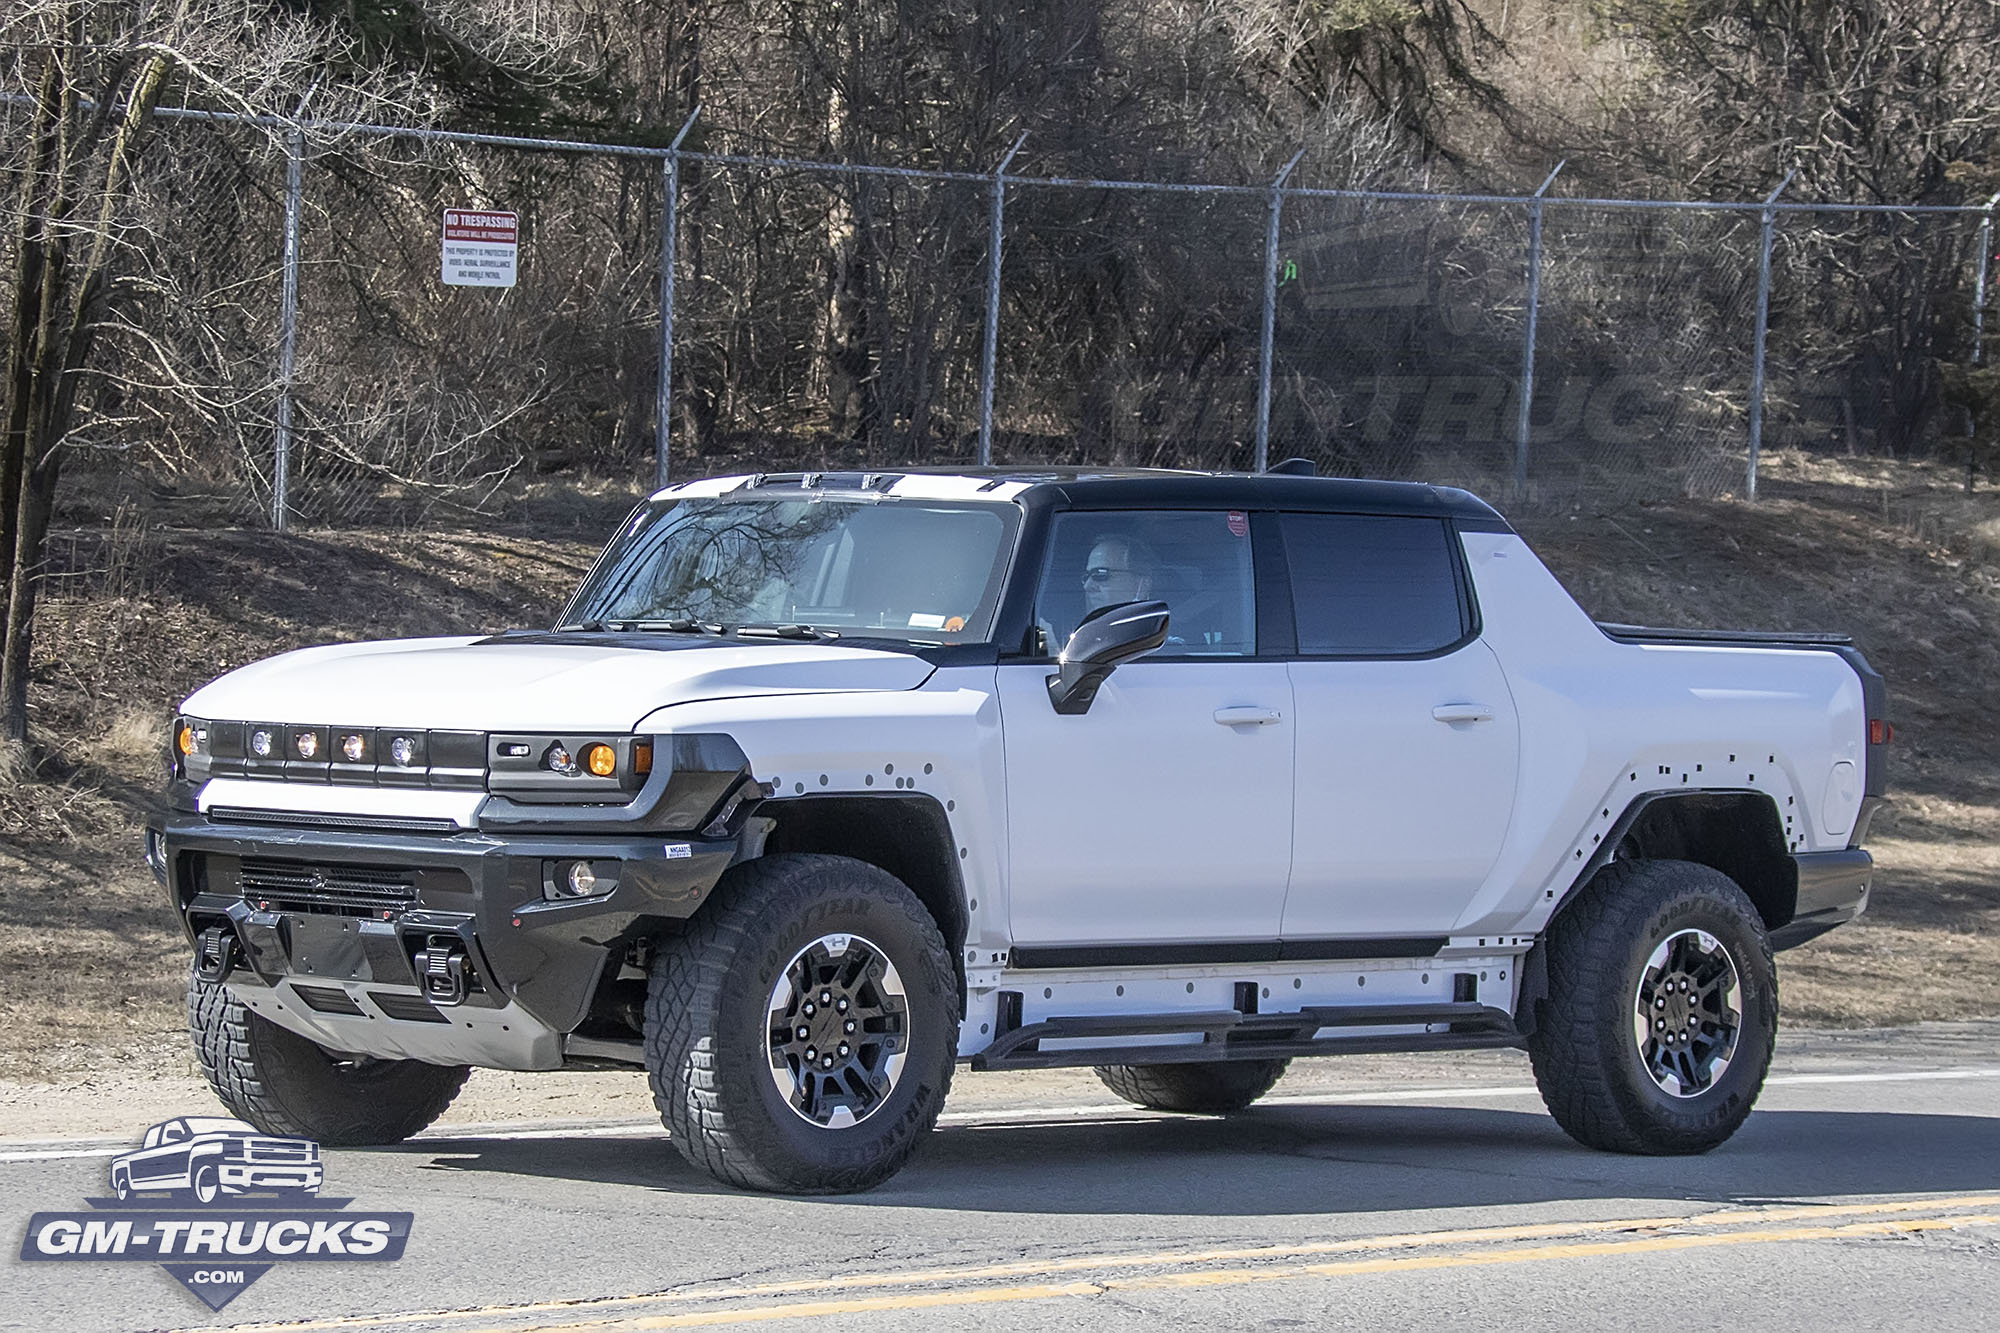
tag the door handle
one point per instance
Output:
(1248, 716)
(1463, 712)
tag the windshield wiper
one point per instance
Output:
(677, 626)
(784, 631)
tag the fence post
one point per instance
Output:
(1979, 283)
(288, 333)
(990, 349)
(1770, 218)
(1266, 333)
(670, 212)
(1527, 394)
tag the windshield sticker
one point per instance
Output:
(217, 1203)
(923, 620)
(1239, 523)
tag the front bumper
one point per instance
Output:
(272, 1176)
(442, 948)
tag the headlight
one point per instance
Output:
(570, 770)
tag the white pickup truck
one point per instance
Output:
(827, 782)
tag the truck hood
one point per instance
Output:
(466, 684)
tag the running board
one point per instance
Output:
(1229, 1034)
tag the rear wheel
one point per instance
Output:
(1662, 1010)
(1210, 1088)
(800, 1036)
(285, 1084)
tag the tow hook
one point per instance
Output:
(215, 954)
(445, 971)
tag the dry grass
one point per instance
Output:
(1896, 553)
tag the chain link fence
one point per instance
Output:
(818, 315)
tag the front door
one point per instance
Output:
(1161, 815)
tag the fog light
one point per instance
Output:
(353, 746)
(582, 879)
(601, 760)
(307, 743)
(403, 750)
(260, 743)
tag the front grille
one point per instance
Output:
(349, 890)
(328, 999)
(312, 819)
(409, 1008)
(280, 1150)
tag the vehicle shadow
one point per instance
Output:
(1329, 1159)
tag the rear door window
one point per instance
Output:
(1367, 585)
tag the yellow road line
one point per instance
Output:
(1244, 1276)
(1180, 1258)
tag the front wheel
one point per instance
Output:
(1662, 1010)
(800, 1036)
(287, 1085)
(207, 1187)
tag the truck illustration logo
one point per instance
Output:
(217, 1203)
(208, 1157)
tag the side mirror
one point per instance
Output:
(1107, 637)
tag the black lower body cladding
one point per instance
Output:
(340, 905)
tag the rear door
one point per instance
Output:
(1162, 815)
(1408, 739)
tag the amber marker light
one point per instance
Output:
(642, 757)
(601, 760)
(186, 739)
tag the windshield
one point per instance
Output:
(903, 569)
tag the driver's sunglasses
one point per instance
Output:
(1102, 574)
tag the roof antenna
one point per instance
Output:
(1294, 467)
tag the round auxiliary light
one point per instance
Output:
(306, 743)
(353, 746)
(186, 739)
(558, 759)
(403, 751)
(260, 743)
(582, 879)
(601, 760)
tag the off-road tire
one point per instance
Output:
(287, 1085)
(708, 1054)
(1211, 1089)
(1586, 1056)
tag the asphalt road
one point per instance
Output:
(1435, 1192)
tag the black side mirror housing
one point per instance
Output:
(1107, 637)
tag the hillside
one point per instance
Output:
(140, 613)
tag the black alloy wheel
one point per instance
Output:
(839, 1031)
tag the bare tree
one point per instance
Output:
(96, 72)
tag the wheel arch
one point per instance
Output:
(1739, 833)
(909, 836)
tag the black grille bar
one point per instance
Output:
(233, 814)
(352, 889)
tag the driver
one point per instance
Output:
(1120, 569)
